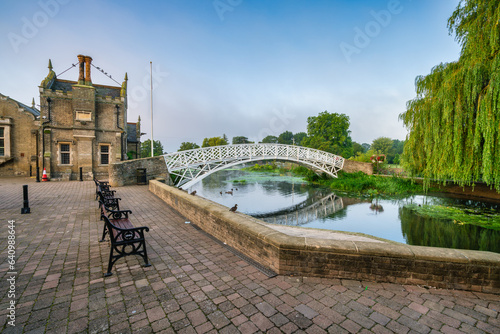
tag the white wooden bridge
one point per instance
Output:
(191, 166)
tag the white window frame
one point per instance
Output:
(101, 154)
(61, 152)
(6, 124)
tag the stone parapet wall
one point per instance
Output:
(313, 257)
(125, 172)
(351, 166)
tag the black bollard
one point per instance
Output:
(26, 202)
(81, 173)
(38, 174)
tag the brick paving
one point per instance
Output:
(194, 285)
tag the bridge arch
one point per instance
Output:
(191, 166)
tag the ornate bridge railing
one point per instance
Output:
(192, 166)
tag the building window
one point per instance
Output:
(65, 154)
(2, 141)
(104, 152)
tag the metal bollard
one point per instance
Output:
(81, 173)
(38, 174)
(26, 203)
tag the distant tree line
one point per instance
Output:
(327, 132)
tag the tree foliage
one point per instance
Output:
(393, 156)
(357, 148)
(146, 148)
(453, 121)
(299, 137)
(270, 140)
(188, 146)
(214, 141)
(286, 138)
(382, 145)
(329, 132)
(241, 140)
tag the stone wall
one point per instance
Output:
(125, 172)
(351, 166)
(381, 262)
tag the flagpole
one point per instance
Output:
(152, 142)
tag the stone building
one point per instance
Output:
(19, 126)
(81, 127)
(134, 139)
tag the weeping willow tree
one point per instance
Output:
(453, 122)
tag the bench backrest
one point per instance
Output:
(111, 203)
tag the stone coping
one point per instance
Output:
(284, 240)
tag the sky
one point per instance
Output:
(236, 67)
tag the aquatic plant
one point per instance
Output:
(473, 216)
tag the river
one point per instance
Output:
(289, 200)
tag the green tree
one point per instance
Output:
(241, 140)
(395, 151)
(299, 137)
(454, 120)
(187, 146)
(146, 148)
(382, 145)
(329, 132)
(366, 146)
(357, 148)
(270, 140)
(214, 141)
(286, 138)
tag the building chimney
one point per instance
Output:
(88, 61)
(81, 76)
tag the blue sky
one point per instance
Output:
(235, 67)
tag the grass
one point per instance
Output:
(358, 183)
(364, 184)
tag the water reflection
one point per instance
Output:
(292, 201)
(304, 213)
(426, 231)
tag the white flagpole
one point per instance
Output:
(152, 142)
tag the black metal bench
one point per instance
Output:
(125, 238)
(103, 188)
(107, 206)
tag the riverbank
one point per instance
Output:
(383, 184)
(479, 191)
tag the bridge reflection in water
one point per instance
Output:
(302, 214)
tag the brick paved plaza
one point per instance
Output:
(195, 285)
